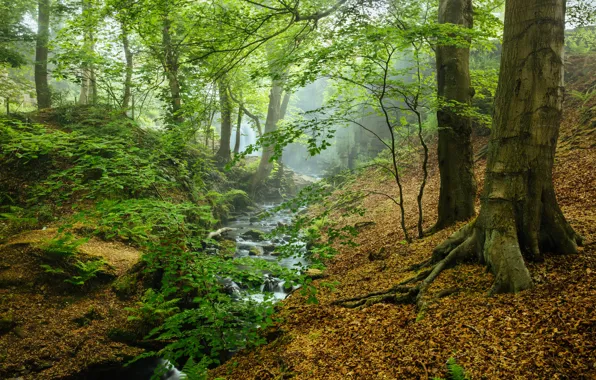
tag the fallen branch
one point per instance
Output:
(219, 232)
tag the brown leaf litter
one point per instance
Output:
(548, 332)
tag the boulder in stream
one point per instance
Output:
(255, 251)
(268, 248)
(254, 235)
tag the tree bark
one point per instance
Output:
(238, 131)
(456, 163)
(42, 87)
(129, 66)
(85, 84)
(88, 92)
(92, 78)
(282, 114)
(273, 116)
(171, 68)
(223, 154)
(284, 105)
(519, 215)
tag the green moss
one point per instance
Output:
(125, 286)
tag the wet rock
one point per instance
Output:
(255, 235)
(269, 248)
(255, 251)
(229, 286)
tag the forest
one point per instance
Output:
(286, 189)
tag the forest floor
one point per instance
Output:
(47, 329)
(548, 332)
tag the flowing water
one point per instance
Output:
(248, 243)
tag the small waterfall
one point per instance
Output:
(273, 284)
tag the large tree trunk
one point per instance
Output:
(41, 55)
(171, 68)
(223, 154)
(273, 116)
(519, 215)
(456, 164)
(129, 66)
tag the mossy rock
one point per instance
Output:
(269, 248)
(255, 251)
(125, 286)
(254, 235)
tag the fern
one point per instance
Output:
(85, 271)
(456, 372)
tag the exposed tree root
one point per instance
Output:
(488, 241)
(401, 294)
(396, 295)
(419, 277)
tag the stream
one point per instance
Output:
(251, 244)
(247, 230)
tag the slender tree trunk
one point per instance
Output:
(284, 105)
(456, 164)
(223, 154)
(92, 78)
(171, 68)
(519, 215)
(129, 65)
(282, 114)
(85, 84)
(41, 55)
(238, 131)
(273, 116)
(88, 92)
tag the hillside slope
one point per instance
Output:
(547, 332)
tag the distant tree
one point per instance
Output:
(223, 154)
(238, 131)
(42, 87)
(274, 115)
